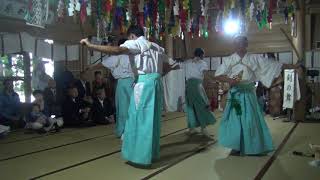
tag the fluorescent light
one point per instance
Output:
(50, 41)
(231, 27)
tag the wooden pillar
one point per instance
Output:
(308, 31)
(300, 23)
(299, 41)
(27, 76)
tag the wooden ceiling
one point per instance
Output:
(69, 32)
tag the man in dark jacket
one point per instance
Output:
(102, 109)
(74, 114)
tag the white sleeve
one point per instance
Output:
(110, 62)
(223, 69)
(267, 70)
(133, 46)
(204, 66)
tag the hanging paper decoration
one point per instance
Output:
(83, 11)
(251, 11)
(220, 5)
(242, 16)
(61, 10)
(271, 8)
(37, 13)
(112, 15)
(286, 15)
(108, 6)
(72, 7)
(261, 15)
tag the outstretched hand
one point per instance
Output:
(85, 42)
(234, 81)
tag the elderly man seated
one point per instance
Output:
(10, 114)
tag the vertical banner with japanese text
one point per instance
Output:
(289, 92)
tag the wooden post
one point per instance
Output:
(27, 76)
(300, 106)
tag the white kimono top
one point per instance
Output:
(119, 65)
(194, 68)
(253, 67)
(148, 56)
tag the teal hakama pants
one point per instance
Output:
(198, 112)
(243, 127)
(123, 94)
(141, 141)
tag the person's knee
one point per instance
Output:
(59, 122)
(36, 126)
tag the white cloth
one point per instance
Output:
(119, 65)
(148, 56)
(194, 68)
(4, 129)
(254, 68)
(101, 102)
(174, 98)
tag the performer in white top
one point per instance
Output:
(141, 141)
(198, 106)
(121, 69)
(243, 128)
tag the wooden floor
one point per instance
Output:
(94, 153)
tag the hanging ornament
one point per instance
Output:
(61, 10)
(219, 19)
(189, 25)
(83, 11)
(37, 13)
(98, 8)
(176, 8)
(251, 11)
(293, 25)
(89, 8)
(286, 15)
(71, 7)
(220, 5)
(271, 8)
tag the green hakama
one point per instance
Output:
(198, 106)
(123, 94)
(243, 127)
(141, 140)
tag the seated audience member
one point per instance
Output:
(42, 123)
(63, 78)
(74, 114)
(84, 90)
(98, 82)
(4, 130)
(10, 107)
(50, 98)
(102, 109)
(38, 96)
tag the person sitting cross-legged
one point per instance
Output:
(102, 109)
(74, 114)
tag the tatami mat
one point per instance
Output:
(94, 153)
(289, 166)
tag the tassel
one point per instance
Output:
(251, 10)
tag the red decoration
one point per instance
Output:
(168, 2)
(272, 5)
(221, 4)
(83, 12)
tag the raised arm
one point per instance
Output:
(95, 66)
(290, 66)
(115, 50)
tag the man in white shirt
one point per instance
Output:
(243, 128)
(121, 69)
(141, 141)
(197, 103)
